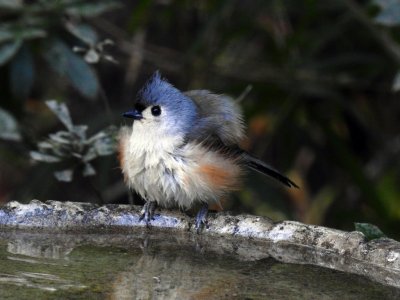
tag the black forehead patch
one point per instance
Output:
(140, 106)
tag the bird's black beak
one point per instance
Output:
(133, 114)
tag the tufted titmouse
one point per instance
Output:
(182, 148)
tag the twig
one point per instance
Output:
(244, 94)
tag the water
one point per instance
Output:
(156, 265)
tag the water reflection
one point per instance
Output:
(39, 248)
(41, 281)
(28, 250)
(147, 265)
(160, 277)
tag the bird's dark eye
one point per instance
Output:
(156, 110)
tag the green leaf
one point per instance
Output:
(6, 34)
(22, 73)
(83, 32)
(390, 12)
(62, 112)
(92, 9)
(370, 231)
(396, 83)
(103, 142)
(11, 4)
(97, 136)
(65, 175)
(80, 131)
(90, 155)
(8, 127)
(43, 146)
(68, 64)
(104, 147)
(31, 33)
(61, 137)
(44, 157)
(88, 170)
(8, 50)
(9, 32)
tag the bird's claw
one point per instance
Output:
(148, 212)
(201, 218)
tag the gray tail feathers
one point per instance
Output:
(265, 169)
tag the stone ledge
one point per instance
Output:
(250, 237)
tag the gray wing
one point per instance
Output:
(220, 126)
(219, 116)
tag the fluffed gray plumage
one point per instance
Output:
(183, 148)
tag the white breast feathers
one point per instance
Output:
(170, 172)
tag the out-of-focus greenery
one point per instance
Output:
(38, 27)
(323, 107)
(73, 145)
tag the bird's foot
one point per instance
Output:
(148, 212)
(201, 218)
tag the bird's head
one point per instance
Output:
(163, 108)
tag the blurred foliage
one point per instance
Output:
(73, 145)
(8, 127)
(26, 25)
(389, 12)
(323, 106)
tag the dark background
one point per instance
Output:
(323, 106)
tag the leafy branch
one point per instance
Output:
(73, 144)
(42, 21)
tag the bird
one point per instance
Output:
(183, 149)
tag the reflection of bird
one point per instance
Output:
(183, 148)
